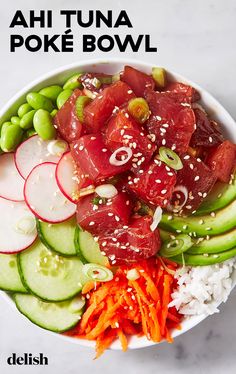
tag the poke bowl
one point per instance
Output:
(51, 251)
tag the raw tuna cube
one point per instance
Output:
(171, 124)
(100, 109)
(66, 120)
(99, 217)
(207, 133)
(92, 157)
(198, 180)
(131, 244)
(155, 185)
(222, 160)
(137, 80)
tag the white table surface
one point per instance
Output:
(196, 39)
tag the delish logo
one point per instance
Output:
(27, 359)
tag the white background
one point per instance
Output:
(196, 39)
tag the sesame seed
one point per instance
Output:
(186, 157)
(188, 207)
(208, 228)
(91, 223)
(191, 166)
(196, 178)
(213, 214)
(104, 150)
(158, 181)
(163, 142)
(117, 218)
(110, 214)
(81, 147)
(129, 92)
(210, 139)
(169, 218)
(163, 192)
(149, 146)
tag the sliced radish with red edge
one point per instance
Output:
(44, 197)
(35, 151)
(66, 177)
(17, 227)
(11, 183)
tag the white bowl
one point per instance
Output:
(112, 66)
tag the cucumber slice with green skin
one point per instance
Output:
(9, 275)
(58, 237)
(57, 317)
(88, 249)
(49, 276)
(201, 260)
(216, 244)
(221, 195)
(224, 220)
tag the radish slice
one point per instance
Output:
(11, 183)
(66, 177)
(43, 196)
(32, 152)
(13, 215)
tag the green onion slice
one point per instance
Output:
(80, 104)
(138, 108)
(97, 272)
(159, 76)
(176, 246)
(170, 158)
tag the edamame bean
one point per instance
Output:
(63, 97)
(51, 92)
(43, 125)
(5, 125)
(10, 138)
(26, 121)
(23, 109)
(30, 132)
(54, 112)
(15, 120)
(38, 101)
(73, 82)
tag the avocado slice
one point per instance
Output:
(216, 244)
(223, 220)
(204, 260)
(221, 195)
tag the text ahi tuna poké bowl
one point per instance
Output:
(118, 204)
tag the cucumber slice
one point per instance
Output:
(9, 275)
(224, 220)
(216, 244)
(58, 237)
(57, 317)
(88, 249)
(221, 195)
(50, 276)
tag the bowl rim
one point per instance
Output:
(189, 323)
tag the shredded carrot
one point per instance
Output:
(89, 286)
(123, 307)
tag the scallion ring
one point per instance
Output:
(113, 159)
(176, 246)
(170, 158)
(97, 272)
(138, 108)
(80, 104)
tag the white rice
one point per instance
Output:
(202, 289)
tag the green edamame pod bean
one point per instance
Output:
(23, 109)
(54, 112)
(5, 125)
(26, 121)
(10, 138)
(15, 120)
(30, 132)
(51, 92)
(43, 125)
(73, 82)
(63, 97)
(38, 101)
